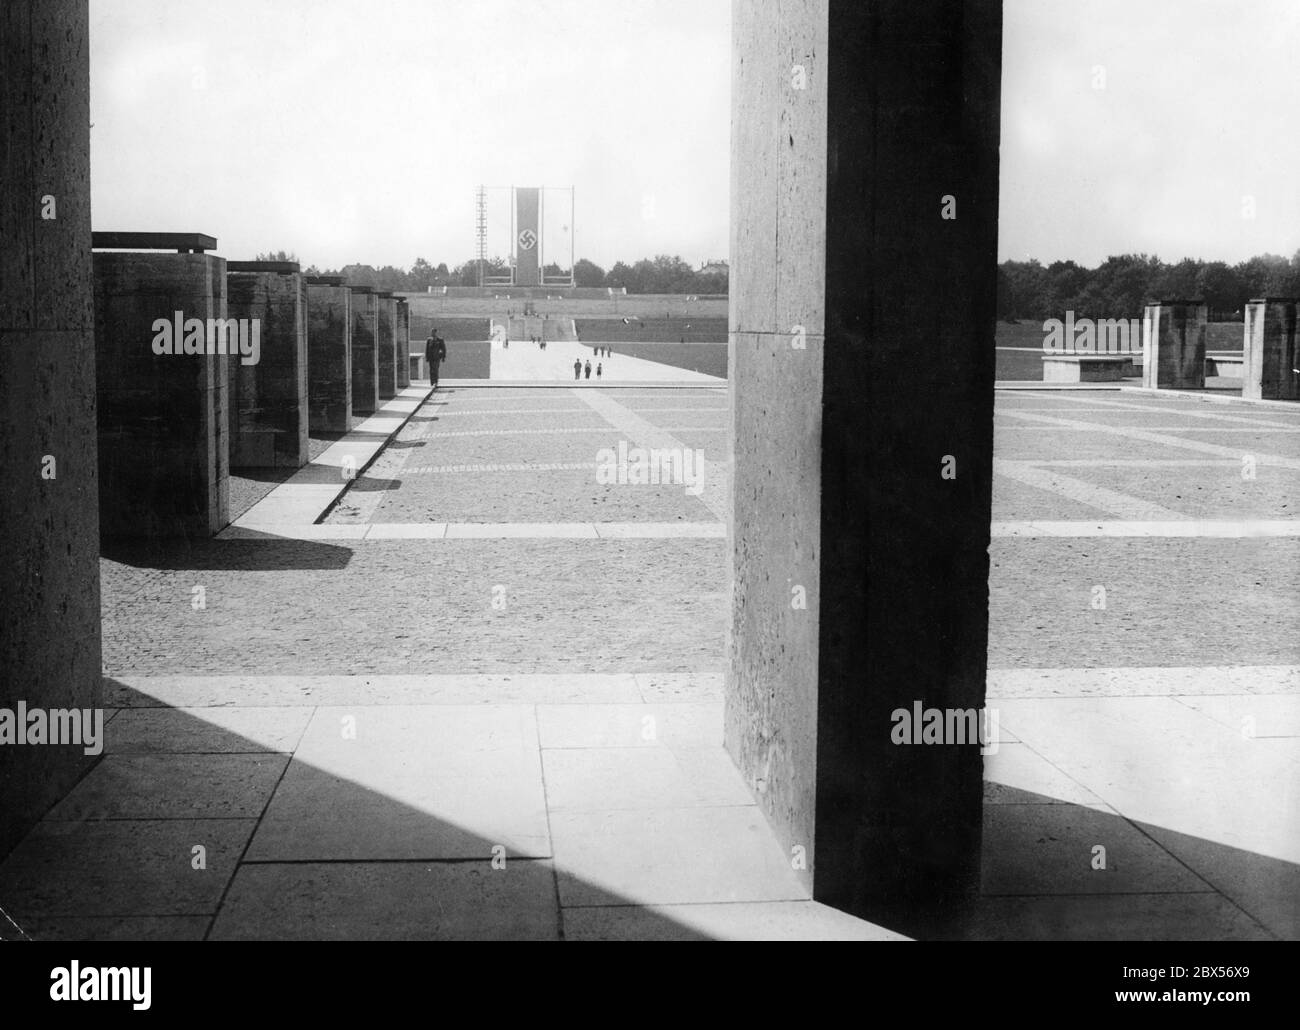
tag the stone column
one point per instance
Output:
(403, 333)
(49, 549)
(329, 354)
(365, 354)
(162, 392)
(864, 231)
(1272, 357)
(268, 404)
(386, 344)
(1173, 345)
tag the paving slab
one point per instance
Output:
(1016, 774)
(1051, 849)
(1116, 917)
(1247, 681)
(1252, 715)
(1194, 783)
(409, 805)
(390, 901)
(674, 725)
(658, 856)
(173, 786)
(690, 686)
(212, 692)
(753, 921)
(206, 730)
(121, 867)
(368, 733)
(606, 779)
(118, 929)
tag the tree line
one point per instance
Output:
(661, 274)
(1121, 286)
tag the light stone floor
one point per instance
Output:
(470, 807)
(351, 733)
(1145, 668)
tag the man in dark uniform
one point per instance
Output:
(435, 353)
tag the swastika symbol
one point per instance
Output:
(527, 239)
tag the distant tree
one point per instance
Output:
(712, 282)
(588, 273)
(670, 274)
(1066, 283)
(1177, 281)
(466, 273)
(1024, 291)
(1269, 275)
(277, 255)
(1221, 288)
(421, 275)
(619, 276)
(360, 275)
(1119, 287)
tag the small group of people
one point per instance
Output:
(584, 371)
(602, 349)
(541, 342)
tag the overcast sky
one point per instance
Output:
(1201, 108)
(357, 130)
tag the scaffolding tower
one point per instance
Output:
(480, 229)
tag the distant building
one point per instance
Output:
(714, 266)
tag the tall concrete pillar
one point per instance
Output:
(1272, 357)
(329, 354)
(162, 384)
(386, 344)
(49, 505)
(268, 402)
(1173, 345)
(864, 232)
(402, 331)
(365, 353)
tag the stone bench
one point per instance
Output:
(1226, 363)
(417, 366)
(1086, 368)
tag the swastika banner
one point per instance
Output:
(527, 236)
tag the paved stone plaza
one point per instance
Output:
(481, 651)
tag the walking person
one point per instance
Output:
(577, 368)
(435, 353)
(598, 370)
(588, 369)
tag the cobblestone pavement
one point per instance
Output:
(1143, 607)
(416, 605)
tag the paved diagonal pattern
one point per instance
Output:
(481, 654)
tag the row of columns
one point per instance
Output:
(203, 365)
(1173, 347)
